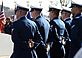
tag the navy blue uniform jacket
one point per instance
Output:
(23, 30)
(76, 34)
(43, 26)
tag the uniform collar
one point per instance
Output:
(77, 16)
(54, 18)
(52, 21)
(23, 17)
(38, 17)
(67, 19)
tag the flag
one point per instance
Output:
(2, 18)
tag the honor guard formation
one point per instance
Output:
(34, 36)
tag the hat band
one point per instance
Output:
(37, 9)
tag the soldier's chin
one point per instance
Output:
(17, 17)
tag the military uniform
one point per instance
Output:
(23, 30)
(68, 41)
(68, 25)
(57, 28)
(56, 48)
(43, 26)
(67, 20)
(76, 32)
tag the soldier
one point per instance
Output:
(56, 33)
(43, 26)
(76, 29)
(25, 34)
(65, 16)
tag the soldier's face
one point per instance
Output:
(33, 14)
(75, 10)
(64, 15)
(51, 14)
(17, 14)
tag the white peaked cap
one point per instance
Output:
(36, 5)
(77, 2)
(66, 8)
(55, 6)
(22, 5)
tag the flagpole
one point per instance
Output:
(2, 6)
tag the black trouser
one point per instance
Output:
(67, 48)
(73, 51)
(41, 51)
(56, 51)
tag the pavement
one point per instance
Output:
(6, 45)
(4, 56)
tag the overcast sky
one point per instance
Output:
(10, 3)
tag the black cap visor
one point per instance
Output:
(53, 9)
(32, 9)
(75, 5)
